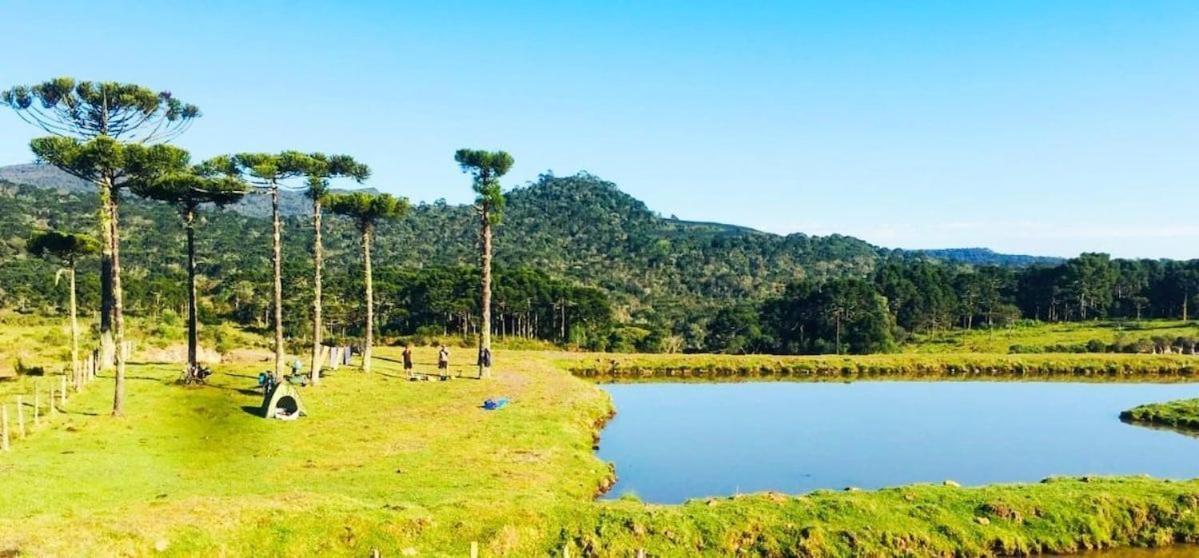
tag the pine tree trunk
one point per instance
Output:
(189, 220)
(485, 320)
(107, 354)
(317, 258)
(118, 306)
(370, 298)
(277, 262)
(76, 372)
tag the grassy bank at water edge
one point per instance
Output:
(1181, 414)
(948, 366)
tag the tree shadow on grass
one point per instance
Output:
(246, 376)
(150, 379)
(81, 413)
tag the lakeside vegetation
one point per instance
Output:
(1182, 414)
(943, 366)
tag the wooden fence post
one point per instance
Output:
(53, 409)
(62, 391)
(37, 405)
(21, 416)
(641, 553)
(474, 549)
(566, 550)
(4, 427)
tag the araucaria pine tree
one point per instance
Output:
(187, 187)
(99, 132)
(367, 210)
(486, 168)
(67, 248)
(272, 172)
(320, 169)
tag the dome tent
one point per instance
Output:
(286, 398)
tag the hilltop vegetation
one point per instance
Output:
(562, 235)
(580, 263)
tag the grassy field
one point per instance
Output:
(1044, 337)
(380, 463)
(419, 469)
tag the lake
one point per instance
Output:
(675, 441)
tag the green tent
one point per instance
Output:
(286, 398)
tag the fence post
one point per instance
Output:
(62, 391)
(53, 409)
(566, 550)
(37, 405)
(21, 416)
(4, 427)
(474, 549)
(641, 553)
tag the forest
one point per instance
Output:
(580, 263)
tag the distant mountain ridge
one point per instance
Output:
(606, 195)
(291, 203)
(986, 256)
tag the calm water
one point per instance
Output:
(671, 442)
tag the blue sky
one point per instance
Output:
(1037, 127)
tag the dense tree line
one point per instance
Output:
(434, 300)
(918, 295)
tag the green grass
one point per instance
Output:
(1042, 336)
(945, 366)
(417, 468)
(1181, 414)
(380, 463)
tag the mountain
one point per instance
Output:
(291, 203)
(559, 234)
(985, 256)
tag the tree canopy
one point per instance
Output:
(87, 109)
(486, 168)
(62, 245)
(366, 209)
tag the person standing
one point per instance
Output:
(408, 360)
(443, 362)
(484, 359)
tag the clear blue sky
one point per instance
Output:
(1039, 127)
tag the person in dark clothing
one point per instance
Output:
(408, 359)
(443, 362)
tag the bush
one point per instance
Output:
(1096, 346)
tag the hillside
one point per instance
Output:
(295, 204)
(657, 273)
(575, 257)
